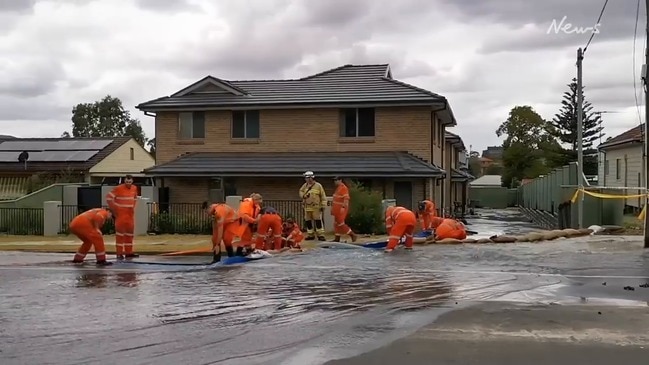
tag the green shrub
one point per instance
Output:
(365, 210)
(169, 223)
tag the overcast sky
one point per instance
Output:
(485, 56)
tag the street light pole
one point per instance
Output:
(580, 138)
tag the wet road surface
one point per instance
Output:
(300, 309)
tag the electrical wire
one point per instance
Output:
(597, 22)
(635, 82)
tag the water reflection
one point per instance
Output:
(103, 280)
(128, 279)
(91, 280)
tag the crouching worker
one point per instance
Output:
(248, 219)
(399, 222)
(450, 228)
(224, 228)
(87, 227)
(292, 234)
(270, 224)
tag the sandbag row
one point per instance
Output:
(529, 237)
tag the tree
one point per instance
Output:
(105, 118)
(564, 126)
(151, 145)
(529, 148)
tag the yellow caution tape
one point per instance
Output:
(610, 196)
(642, 214)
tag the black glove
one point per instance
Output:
(253, 227)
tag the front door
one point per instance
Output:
(403, 193)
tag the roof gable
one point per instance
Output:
(633, 135)
(210, 85)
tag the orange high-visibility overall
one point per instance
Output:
(225, 224)
(269, 224)
(426, 217)
(292, 235)
(87, 227)
(121, 201)
(399, 222)
(450, 228)
(248, 212)
(339, 210)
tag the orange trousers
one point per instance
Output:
(340, 227)
(90, 237)
(430, 221)
(272, 222)
(229, 233)
(124, 229)
(450, 229)
(404, 226)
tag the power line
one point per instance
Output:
(599, 18)
(635, 82)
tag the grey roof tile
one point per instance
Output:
(459, 175)
(286, 164)
(345, 84)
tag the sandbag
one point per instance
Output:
(430, 238)
(484, 240)
(448, 241)
(469, 240)
(586, 231)
(419, 240)
(572, 232)
(534, 236)
(522, 239)
(559, 233)
(503, 239)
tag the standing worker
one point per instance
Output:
(399, 222)
(339, 210)
(248, 218)
(426, 212)
(121, 201)
(269, 223)
(87, 227)
(315, 200)
(224, 228)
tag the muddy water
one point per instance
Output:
(301, 309)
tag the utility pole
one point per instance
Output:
(646, 145)
(580, 138)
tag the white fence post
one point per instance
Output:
(51, 218)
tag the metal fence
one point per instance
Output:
(21, 221)
(68, 212)
(191, 218)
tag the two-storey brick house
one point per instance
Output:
(456, 194)
(216, 138)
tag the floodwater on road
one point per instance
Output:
(296, 309)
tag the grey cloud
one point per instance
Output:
(16, 5)
(30, 78)
(21, 109)
(617, 21)
(167, 5)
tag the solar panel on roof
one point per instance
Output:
(61, 145)
(49, 156)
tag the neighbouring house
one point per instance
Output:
(621, 163)
(27, 164)
(494, 153)
(487, 181)
(457, 181)
(219, 137)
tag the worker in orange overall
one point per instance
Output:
(292, 234)
(399, 222)
(247, 224)
(121, 201)
(87, 227)
(224, 228)
(270, 224)
(450, 228)
(339, 210)
(426, 212)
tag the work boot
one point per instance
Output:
(229, 250)
(336, 239)
(77, 261)
(120, 257)
(240, 251)
(216, 257)
(322, 238)
(353, 236)
(104, 263)
(131, 255)
(310, 238)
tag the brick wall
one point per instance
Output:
(304, 130)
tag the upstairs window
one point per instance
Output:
(357, 122)
(245, 124)
(191, 125)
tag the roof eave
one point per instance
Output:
(283, 105)
(619, 145)
(292, 174)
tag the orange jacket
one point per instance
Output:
(394, 215)
(223, 213)
(248, 211)
(122, 199)
(340, 203)
(96, 218)
(292, 232)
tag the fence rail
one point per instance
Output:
(68, 212)
(22, 221)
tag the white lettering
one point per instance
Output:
(568, 28)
